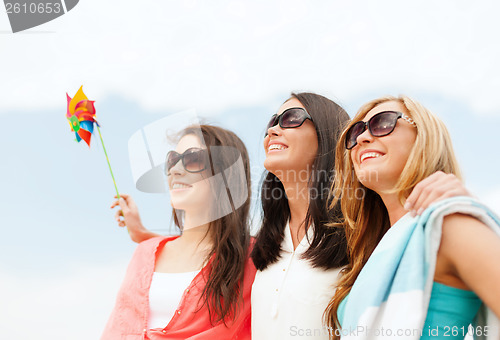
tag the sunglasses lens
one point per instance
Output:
(195, 161)
(353, 134)
(272, 122)
(383, 124)
(172, 159)
(293, 118)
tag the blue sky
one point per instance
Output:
(63, 257)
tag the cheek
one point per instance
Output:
(401, 158)
(307, 153)
(405, 143)
(353, 156)
(265, 142)
(403, 151)
(202, 188)
(308, 145)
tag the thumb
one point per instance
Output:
(123, 204)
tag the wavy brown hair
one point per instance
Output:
(230, 234)
(366, 219)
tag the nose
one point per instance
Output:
(365, 137)
(274, 130)
(177, 169)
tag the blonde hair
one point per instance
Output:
(365, 219)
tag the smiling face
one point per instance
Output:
(290, 149)
(379, 161)
(188, 191)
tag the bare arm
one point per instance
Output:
(470, 253)
(131, 219)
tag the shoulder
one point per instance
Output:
(457, 222)
(459, 230)
(153, 243)
(463, 233)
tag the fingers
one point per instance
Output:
(131, 203)
(417, 191)
(434, 188)
(125, 201)
(124, 205)
(121, 222)
(118, 214)
(124, 196)
(431, 195)
(417, 196)
(117, 202)
(128, 214)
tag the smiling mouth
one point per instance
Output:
(276, 147)
(178, 186)
(369, 155)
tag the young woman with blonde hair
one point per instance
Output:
(432, 271)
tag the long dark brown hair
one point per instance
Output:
(230, 235)
(328, 247)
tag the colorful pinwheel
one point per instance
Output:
(81, 117)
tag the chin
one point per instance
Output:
(271, 165)
(276, 163)
(368, 177)
(180, 204)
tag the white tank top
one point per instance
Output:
(165, 295)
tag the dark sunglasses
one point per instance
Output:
(382, 124)
(290, 118)
(193, 160)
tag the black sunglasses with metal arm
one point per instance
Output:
(381, 124)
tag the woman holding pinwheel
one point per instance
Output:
(196, 285)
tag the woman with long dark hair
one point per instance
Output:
(196, 285)
(297, 256)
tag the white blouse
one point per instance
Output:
(290, 296)
(165, 295)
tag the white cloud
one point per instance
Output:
(219, 54)
(61, 306)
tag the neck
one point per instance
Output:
(297, 193)
(195, 233)
(394, 207)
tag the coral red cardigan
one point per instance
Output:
(129, 318)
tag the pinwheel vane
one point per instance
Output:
(81, 117)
